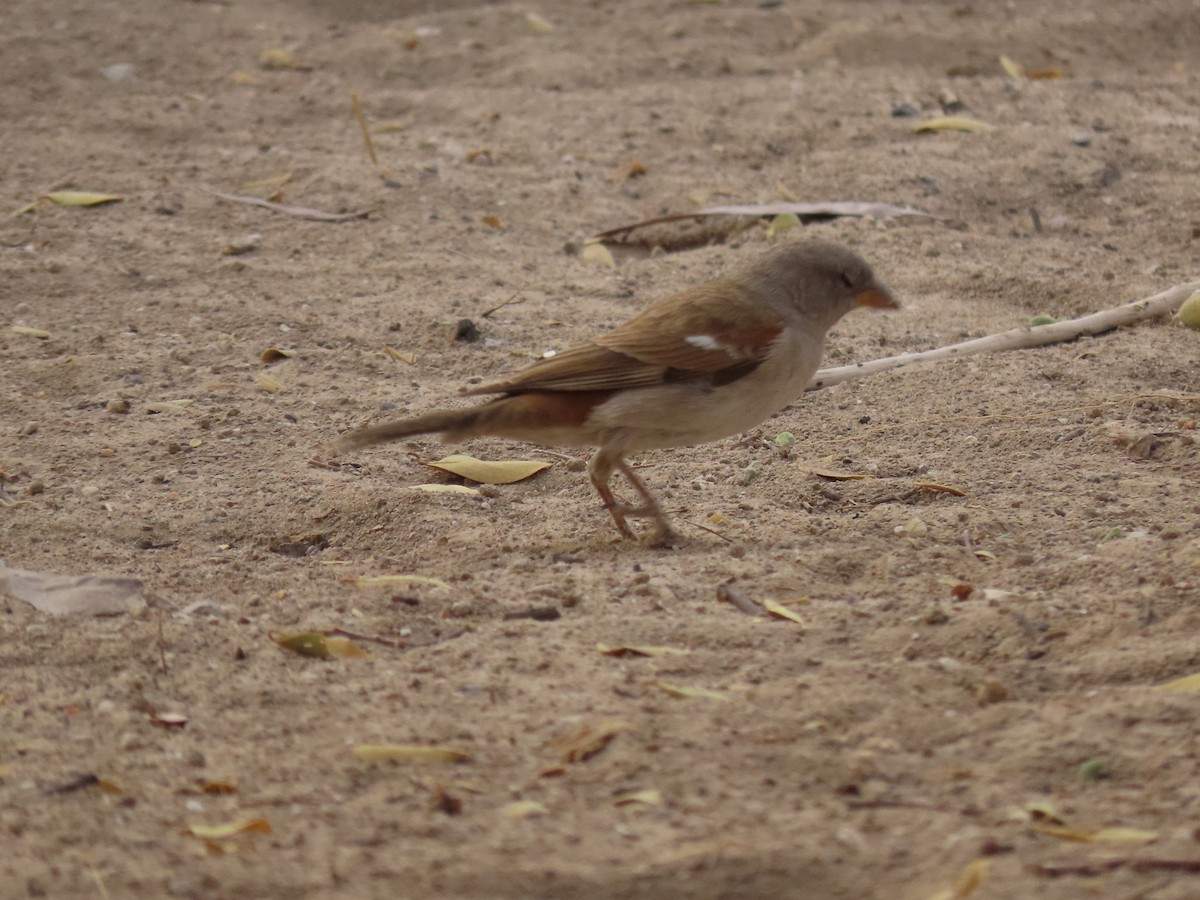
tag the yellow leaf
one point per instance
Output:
(524, 809)
(589, 739)
(273, 353)
(417, 753)
(492, 222)
(838, 476)
(344, 648)
(781, 223)
(1189, 684)
(306, 643)
(27, 208)
(598, 255)
(392, 353)
(952, 123)
(782, 612)
(1012, 69)
(1097, 835)
(446, 489)
(489, 472)
(632, 650)
(277, 58)
(81, 198)
(676, 690)
(1189, 312)
(649, 797)
(31, 332)
(266, 383)
(216, 832)
(970, 879)
(537, 24)
(395, 581)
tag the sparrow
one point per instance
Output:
(708, 362)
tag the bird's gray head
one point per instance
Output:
(822, 281)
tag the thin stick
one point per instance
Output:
(509, 302)
(1019, 338)
(362, 123)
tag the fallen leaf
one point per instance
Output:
(676, 690)
(416, 753)
(301, 212)
(487, 471)
(31, 332)
(838, 476)
(648, 797)
(218, 787)
(394, 581)
(642, 650)
(268, 384)
(589, 739)
(952, 123)
(445, 489)
(277, 58)
(597, 255)
(72, 595)
(1189, 312)
(391, 353)
(271, 354)
(783, 222)
(524, 809)
(169, 720)
(1189, 684)
(940, 488)
(1043, 74)
(1012, 69)
(242, 826)
(493, 222)
(782, 612)
(82, 198)
(968, 882)
(1097, 835)
(537, 24)
(305, 643)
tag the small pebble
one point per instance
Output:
(991, 692)
(118, 72)
(107, 453)
(117, 406)
(466, 331)
(1083, 139)
(89, 490)
(905, 110)
(35, 488)
(28, 428)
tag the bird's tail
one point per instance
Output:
(450, 422)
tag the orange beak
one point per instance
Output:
(876, 297)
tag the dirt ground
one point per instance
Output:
(908, 729)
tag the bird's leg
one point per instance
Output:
(663, 535)
(600, 468)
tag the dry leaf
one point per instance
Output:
(417, 753)
(391, 353)
(489, 472)
(838, 476)
(1043, 74)
(1097, 835)
(300, 212)
(216, 832)
(218, 787)
(266, 383)
(271, 354)
(1189, 684)
(676, 690)
(394, 581)
(82, 198)
(968, 882)
(318, 645)
(268, 185)
(940, 488)
(649, 797)
(446, 489)
(631, 650)
(953, 123)
(169, 720)
(589, 739)
(1189, 313)
(537, 24)
(31, 332)
(492, 222)
(277, 58)
(782, 612)
(598, 255)
(524, 809)
(783, 222)
(1012, 69)
(70, 595)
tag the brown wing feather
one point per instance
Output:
(680, 333)
(672, 341)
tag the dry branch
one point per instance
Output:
(1019, 338)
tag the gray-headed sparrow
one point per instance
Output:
(702, 364)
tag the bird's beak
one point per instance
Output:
(876, 297)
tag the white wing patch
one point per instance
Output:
(705, 342)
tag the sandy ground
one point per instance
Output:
(908, 730)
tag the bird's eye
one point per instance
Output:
(846, 279)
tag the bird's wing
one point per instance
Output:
(712, 332)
